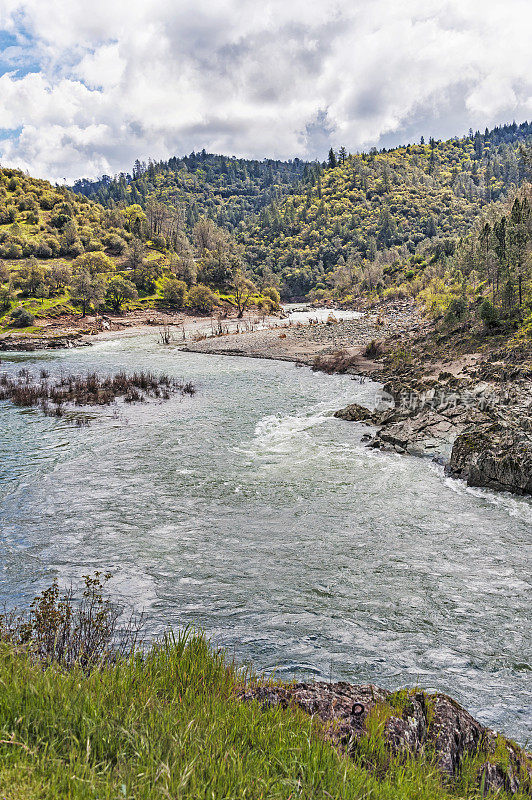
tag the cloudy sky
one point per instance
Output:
(87, 87)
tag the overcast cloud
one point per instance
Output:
(87, 87)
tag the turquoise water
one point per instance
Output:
(249, 510)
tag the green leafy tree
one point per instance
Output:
(95, 263)
(243, 290)
(119, 291)
(87, 290)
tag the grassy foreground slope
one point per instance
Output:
(170, 726)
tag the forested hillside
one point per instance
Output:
(227, 190)
(433, 221)
(363, 213)
(61, 253)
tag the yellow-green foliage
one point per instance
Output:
(392, 202)
(37, 219)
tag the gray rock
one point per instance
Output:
(415, 722)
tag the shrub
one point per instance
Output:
(69, 630)
(457, 309)
(488, 314)
(22, 318)
(374, 349)
(273, 294)
(115, 244)
(43, 250)
(175, 292)
(202, 298)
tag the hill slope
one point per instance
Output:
(384, 207)
(227, 190)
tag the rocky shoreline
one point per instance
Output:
(413, 723)
(471, 412)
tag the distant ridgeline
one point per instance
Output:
(227, 190)
(302, 221)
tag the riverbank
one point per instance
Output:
(75, 331)
(184, 721)
(462, 399)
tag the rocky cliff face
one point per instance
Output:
(481, 430)
(493, 458)
(412, 723)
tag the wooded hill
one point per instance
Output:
(227, 190)
(379, 208)
(405, 222)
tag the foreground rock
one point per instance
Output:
(412, 723)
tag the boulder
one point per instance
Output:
(493, 458)
(414, 722)
(355, 413)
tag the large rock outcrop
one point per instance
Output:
(413, 722)
(493, 458)
(480, 431)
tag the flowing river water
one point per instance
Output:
(248, 510)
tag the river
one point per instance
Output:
(248, 510)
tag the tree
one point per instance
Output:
(7, 295)
(135, 218)
(94, 263)
(59, 276)
(243, 289)
(488, 314)
(202, 298)
(332, 159)
(146, 275)
(175, 292)
(342, 155)
(70, 244)
(32, 276)
(88, 290)
(119, 290)
(135, 253)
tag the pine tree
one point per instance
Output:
(332, 159)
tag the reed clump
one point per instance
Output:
(53, 395)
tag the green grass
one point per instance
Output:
(169, 726)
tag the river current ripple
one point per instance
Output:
(248, 510)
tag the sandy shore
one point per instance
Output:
(303, 343)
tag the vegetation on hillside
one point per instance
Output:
(84, 713)
(226, 190)
(205, 231)
(62, 253)
(362, 215)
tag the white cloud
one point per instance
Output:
(135, 78)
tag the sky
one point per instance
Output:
(88, 87)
